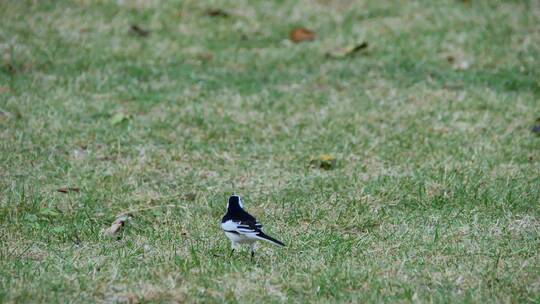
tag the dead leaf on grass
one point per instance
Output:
(324, 161)
(118, 118)
(347, 51)
(301, 34)
(68, 189)
(116, 226)
(106, 158)
(137, 30)
(217, 13)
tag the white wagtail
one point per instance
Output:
(242, 228)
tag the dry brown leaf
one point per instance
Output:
(324, 161)
(346, 51)
(106, 158)
(137, 30)
(116, 226)
(301, 34)
(68, 189)
(217, 13)
(119, 118)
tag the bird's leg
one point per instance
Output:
(252, 251)
(233, 246)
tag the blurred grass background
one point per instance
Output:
(434, 198)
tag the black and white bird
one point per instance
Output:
(242, 228)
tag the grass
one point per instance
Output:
(434, 198)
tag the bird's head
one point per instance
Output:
(235, 202)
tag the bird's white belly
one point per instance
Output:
(240, 238)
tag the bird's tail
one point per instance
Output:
(269, 239)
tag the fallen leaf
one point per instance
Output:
(116, 226)
(347, 51)
(68, 189)
(118, 118)
(217, 13)
(5, 90)
(300, 34)
(324, 161)
(137, 30)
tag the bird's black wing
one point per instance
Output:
(240, 222)
(254, 228)
(250, 221)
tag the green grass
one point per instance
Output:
(436, 192)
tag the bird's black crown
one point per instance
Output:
(235, 202)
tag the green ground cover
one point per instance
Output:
(434, 196)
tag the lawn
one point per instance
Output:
(162, 109)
